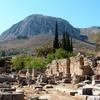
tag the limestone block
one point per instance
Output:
(93, 98)
(18, 96)
(81, 97)
(34, 98)
(44, 97)
(6, 96)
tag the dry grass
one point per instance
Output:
(39, 40)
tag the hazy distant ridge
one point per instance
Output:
(39, 24)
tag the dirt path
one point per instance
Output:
(51, 94)
(54, 95)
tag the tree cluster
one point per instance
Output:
(66, 42)
(46, 53)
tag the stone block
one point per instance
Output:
(6, 96)
(17, 96)
(93, 98)
(34, 98)
(44, 97)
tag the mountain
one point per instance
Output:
(39, 24)
(28, 45)
(90, 32)
(37, 30)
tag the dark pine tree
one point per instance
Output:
(71, 45)
(67, 42)
(56, 40)
(63, 43)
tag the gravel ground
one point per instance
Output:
(51, 94)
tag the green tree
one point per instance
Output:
(71, 45)
(44, 50)
(60, 54)
(49, 58)
(38, 63)
(2, 53)
(67, 42)
(2, 62)
(56, 40)
(17, 62)
(27, 59)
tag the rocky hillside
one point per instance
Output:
(28, 45)
(90, 32)
(39, 24)
(37, 30)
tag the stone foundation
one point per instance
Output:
(79, 66)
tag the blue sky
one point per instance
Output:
(80, 13)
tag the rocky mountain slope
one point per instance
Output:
(39, 24)
(90, 32)
(28, 45)
(36, 30)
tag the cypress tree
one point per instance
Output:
(56, 40)
(71, 45)
(63, 41)
(67, 42)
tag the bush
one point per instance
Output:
(18, 62)
(45, 56)
(38, 62)
(2, 62)
(49, 58)
(28, 61)
(60, 54)
(44, 50)
(90, 53)
(22, 37)
(2, 53)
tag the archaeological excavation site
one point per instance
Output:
(74, 78)
(49, 50)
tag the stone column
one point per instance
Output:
(68, 66)
(33, 73)
(81, 62)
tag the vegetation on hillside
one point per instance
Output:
(56, 40)
(98, 41)
(2, 53)
(46, 53)
(44, 50)
(2, 62)
(66, 43)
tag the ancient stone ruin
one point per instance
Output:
(80, 66)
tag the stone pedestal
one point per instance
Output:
(34, 98)
(11, 96)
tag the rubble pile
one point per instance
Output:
(80, 71)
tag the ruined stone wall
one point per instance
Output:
(75, 65)
(97, 71)
(58, 67)
(64, 66)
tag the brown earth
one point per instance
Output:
(52, 94)
(38, 41)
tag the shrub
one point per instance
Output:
(60, 54)
(2, 62)
(49, 58)
(38, 62)
(18, 62)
